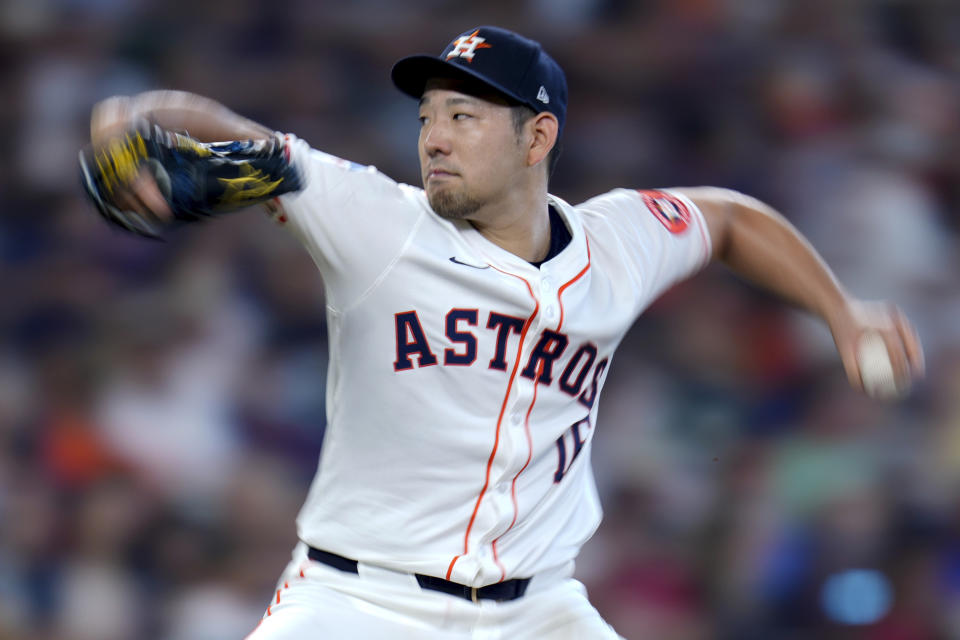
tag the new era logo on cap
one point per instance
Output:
(508, 63)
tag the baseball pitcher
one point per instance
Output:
(472, 323)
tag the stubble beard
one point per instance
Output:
(453, 205)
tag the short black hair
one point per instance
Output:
(521, 113)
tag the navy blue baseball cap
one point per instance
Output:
(508, 63)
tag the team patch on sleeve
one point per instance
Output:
(668, 209)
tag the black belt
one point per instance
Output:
(501, 591)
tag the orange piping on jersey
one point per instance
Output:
(503, 570)
(503, 409)
(575, 278)
(526, 424)
(513, 484)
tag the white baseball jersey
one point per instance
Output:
(463, 383)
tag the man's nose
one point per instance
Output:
(436, 139)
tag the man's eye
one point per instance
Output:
(423, 120)
(461, 116)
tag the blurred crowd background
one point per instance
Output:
(162, 404)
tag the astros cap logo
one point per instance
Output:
(466, 46)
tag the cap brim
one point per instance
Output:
(411, 74)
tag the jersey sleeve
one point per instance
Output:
(352, 219)
(661, 236)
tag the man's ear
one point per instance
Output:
(545, 128)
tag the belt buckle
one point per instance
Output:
(474, 595)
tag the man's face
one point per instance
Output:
(470, 154)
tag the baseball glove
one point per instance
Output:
(197, 180)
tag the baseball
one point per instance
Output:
(876, 369)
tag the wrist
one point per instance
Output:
(839, 310)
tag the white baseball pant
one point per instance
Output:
(314, 600)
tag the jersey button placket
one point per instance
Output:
(548, 302)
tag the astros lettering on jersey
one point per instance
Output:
(463, 384)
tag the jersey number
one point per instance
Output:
(573, 434)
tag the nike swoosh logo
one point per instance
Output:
(454, 260)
